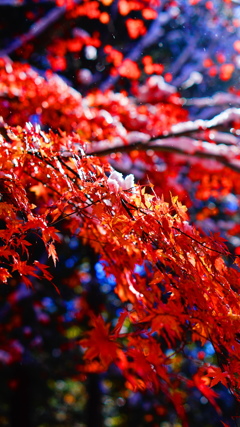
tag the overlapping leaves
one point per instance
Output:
(186, 292)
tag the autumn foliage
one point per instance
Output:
(116, 168)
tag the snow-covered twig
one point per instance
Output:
(224, 118)
(226, 155)
(220, 98)
(218, 137)
(179, 141)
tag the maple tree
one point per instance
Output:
(141, 169)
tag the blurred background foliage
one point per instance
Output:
(194, 45)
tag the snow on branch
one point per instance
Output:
(220, 98)
(226, 155)
(185, 138)
(222, 119)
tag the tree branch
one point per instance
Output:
(167, 148)
(35, 30)
(220, 99)
(180, 141)
(154, 32)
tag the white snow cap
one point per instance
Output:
(136, 136)
(159, 83)
(116, 182)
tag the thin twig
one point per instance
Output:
(35, 30)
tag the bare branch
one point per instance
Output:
(36, 29)
(154, 32)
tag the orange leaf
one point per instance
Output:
(52, 253)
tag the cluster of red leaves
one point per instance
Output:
(150, 67)
(59, 48)
(25, 93)
(147, 8)
(135, 28)
(105, 121)
(220, 64)
(46, 178)
(128, 68)
(187, 292)
(222, 69)
(92, 10)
